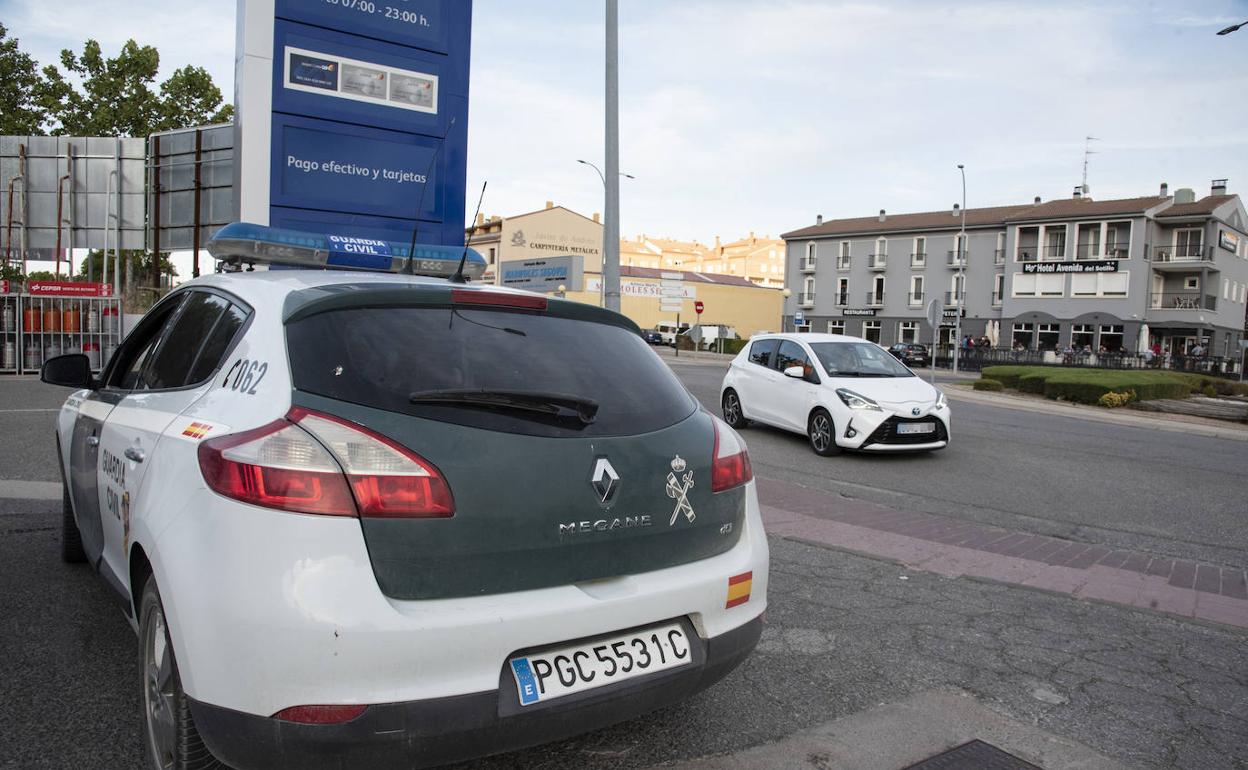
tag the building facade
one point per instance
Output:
(1166, 270)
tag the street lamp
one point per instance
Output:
(786, 294)
(959, 250)
(606, 235)
(1231, 28)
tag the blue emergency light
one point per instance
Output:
(244, 243)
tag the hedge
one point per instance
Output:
(1088, 385)
(991, 385)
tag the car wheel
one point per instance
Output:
(171, 741)
(732, 411)
(821, 432)
(71, 539)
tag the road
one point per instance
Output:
(845, 632)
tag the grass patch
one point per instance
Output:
(1087, 386)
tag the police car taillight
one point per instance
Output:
(388, 479)
(730, 464)
(314, 463)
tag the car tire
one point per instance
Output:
(170, 740)
(733, 413)
(821, 433)
(72, 551)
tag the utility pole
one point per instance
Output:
(611, 227)
(962, 252)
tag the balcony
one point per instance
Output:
(1027, 253)
(808, 265)
(918, 259)
(842, 263)
(916, 297)
(877, 261)
(1179, 255)
(952, 298)
(842, 298)
(806, 299)
(875, 299)
(1054, 251)
(1094, 251)
(1183, 300)
(998, 257)
(956, 260)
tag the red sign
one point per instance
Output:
(4, 286)
(698, 307)
(69, 289)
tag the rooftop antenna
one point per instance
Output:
(463, 258)
(1087, 150)
(420, 202)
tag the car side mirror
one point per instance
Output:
(71, 371)
(796, 372)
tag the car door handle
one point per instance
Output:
(93, 440)
(134, 453)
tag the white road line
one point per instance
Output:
(13, 489)
(12, 411)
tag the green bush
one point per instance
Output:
(733, 346)
(1209, 391)
(1032, 383)
(1007, 375)
(989, 385)
(1086, 386)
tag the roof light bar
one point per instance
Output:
(242, 243)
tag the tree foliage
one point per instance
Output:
(19, 82)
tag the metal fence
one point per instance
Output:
(976, 359)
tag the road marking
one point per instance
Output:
(13, 489)
(12, 411)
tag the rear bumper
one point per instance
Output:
(429, 732)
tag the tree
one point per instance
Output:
(19, 81)
(114, 97)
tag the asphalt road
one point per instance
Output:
(844, 633)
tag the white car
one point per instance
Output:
(376, 520)
(840, 392)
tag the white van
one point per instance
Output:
(668, 331)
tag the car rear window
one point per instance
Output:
(379, 357)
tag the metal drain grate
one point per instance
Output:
(975, 755)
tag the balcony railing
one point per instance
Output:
(951, 298)
(875, 298)
(808, 265)
(1189, 253)
(1027, 253)
(877, 261)
(996, 299)
(918, 259)
(806, 299)
(842, 298)
(956, 260)
(998, 257)
(1053, 251)
(842, 263)
(916, 298)
(1094, 251)
(1183, 300)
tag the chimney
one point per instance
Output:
(1037, 200)
(480, 219)
(881, 215)
(596, 219)
(1078, 194)
(717, 241)
(1218, 187)
(550, 204)
(818, 219)
(1184, 195)
(957, 209)
(1165, 190)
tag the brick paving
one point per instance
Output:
(952, 547)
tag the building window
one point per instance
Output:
(1226, 289)
(809, 262)
(1099, 284)
(1048, 336)
(1082, 336)
(876, 295)
(1111, 337)
(998, 256)
(842, 260)
(918, 257)
(491, 255)
(998, 288)
(1117, 240)
(1187, 244)
(842, 291)
(1022, 335)
(908, 331)
(871, 331)
(916, 290)
(836, 327)
(1055, 243)
(1191, 282)
(1027, 244)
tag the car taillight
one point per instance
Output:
(388, 479)
(314, 463)
(320, 715)
(730, 463)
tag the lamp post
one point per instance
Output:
(784, 306)
(959, 250)
(606, 238)
(1232, 28)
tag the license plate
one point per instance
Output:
(915, 427)
(549, 674)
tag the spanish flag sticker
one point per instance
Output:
(739, 589)
(197, 429)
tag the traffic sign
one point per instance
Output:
(799, 318)
(698, 307)
(672, 276)
(670, 308)
(935, 310)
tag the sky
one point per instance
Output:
(757, 116)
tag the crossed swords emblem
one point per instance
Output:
(680, 492)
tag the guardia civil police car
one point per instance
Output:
(378, 519)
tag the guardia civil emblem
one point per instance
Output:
(678, 487)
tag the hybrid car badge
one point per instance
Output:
(605, 480)
(678, 490)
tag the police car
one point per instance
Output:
(387, 519)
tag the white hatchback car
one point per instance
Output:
(841, 392)
(375, 520)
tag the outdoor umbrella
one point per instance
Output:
(1142, 343)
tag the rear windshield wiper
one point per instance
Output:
(558, 405)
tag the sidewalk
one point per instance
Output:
(1194, 426)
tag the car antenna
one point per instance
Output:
(411, 250)
(463, 258)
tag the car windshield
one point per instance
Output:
(858, 359)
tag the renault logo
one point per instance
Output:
(604, 480)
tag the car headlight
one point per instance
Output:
(856, 401)
(941, 403)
